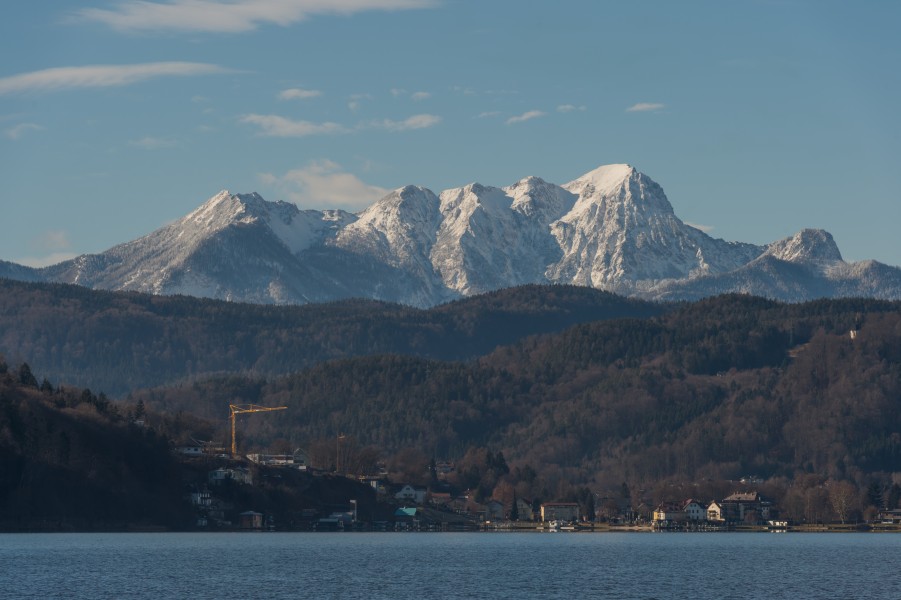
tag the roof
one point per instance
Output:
(405, 512)
(743, 497)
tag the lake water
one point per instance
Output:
(451, 565)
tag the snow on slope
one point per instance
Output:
(623, 233)
(612, 228)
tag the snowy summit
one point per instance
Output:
(612, 228)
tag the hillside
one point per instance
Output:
(723, 388)
(117, 342)
(71, 460)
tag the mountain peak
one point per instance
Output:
(605, 178)
(611, 228)
(808, 245)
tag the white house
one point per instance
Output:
(412, 494)
(694, 511)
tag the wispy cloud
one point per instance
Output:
(277, 126)
(567, 108)
(526, 116)
(17, 131)
(44, 261)
(228, 16)
(99, 76)
(415, 96)
(53, 239)
(704, 228)
(355, 100)
(414, 122)
(489, 113)
(298, 94)
(52, 246)
(153, 143)
(324, 184)
(646, 107)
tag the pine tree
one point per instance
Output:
(26, 377)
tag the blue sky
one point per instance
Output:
(758, 118)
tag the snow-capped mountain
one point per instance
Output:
(623, 235)
(612, 228)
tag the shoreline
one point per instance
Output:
(504, 527)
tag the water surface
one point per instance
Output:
(451, 565)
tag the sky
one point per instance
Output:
(758, 117)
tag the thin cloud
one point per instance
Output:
(526, 116)
(50, 247)
(153, 143)
(324, 184)
(16, 132)
(487, 114)
(704, 228)
(276, 126)
(646, 107)
(415, 96)
(51, 240)
(234, 16)
(354, 103)
(99, 76)
(298, 94)
(414, 122)
(567, 108)
(38, 262)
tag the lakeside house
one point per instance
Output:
(524, 509)
(746, 507)
(409, 493)
(250, 520)
(741, 507)
(560, 511)
(715, 512)
(495, 511)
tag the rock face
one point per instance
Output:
(612, 228)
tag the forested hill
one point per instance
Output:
(722, 388)
(73, 460)
(118, 342)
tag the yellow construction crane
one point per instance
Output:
(237, 409)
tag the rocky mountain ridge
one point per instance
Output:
(612, 229)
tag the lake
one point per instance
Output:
(691, 566)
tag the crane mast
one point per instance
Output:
(238, 409)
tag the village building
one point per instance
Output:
(745, 507)
(560, 511)
(494, 511)
(715, 512)
(524, 510)
(237, 475)
(409, 493)
(694, 511)
(668, 512)
(250, 520)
